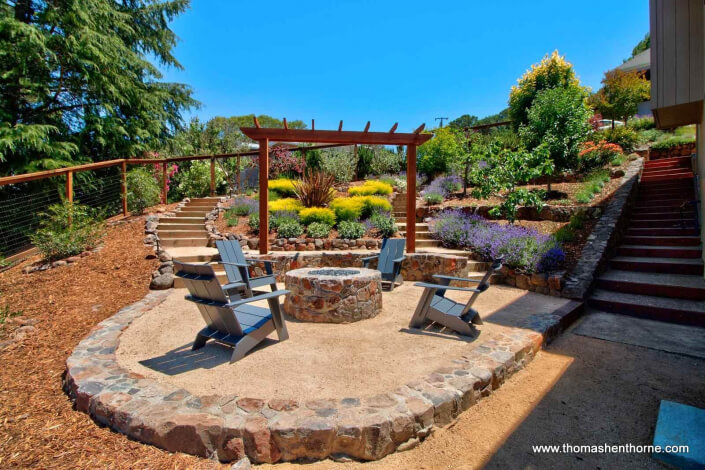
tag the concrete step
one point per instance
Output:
(661, 241)
(678, 184)
(166, 233)
(191, 214)
(692, 252)
(688, 266)
(427, 243)
(665, 204)
(662, 285)
(214, 199)
(662, 232)
(167, 242)
(671, 215)
(172, 226)
(654, 223)
(683, 311)
(664, 171)
(684, 193)
(420, 227)
(420, 235)
(677, 176)
(182, 220)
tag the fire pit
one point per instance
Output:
(333, 295)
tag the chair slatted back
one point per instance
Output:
(207, 293)
(484, 284)
(231, 252)
(392, 248)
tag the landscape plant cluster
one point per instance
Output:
(310, 205)
(522, 248)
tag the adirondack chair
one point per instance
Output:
(230, 321)
(433, 306)
(389, 261)
(237, 269)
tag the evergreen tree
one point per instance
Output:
(77, 83)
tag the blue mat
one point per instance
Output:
(679, 424)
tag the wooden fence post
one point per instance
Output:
(239, 176)
(212, 176)
(123, 188)
(164, 189)
(69, 186)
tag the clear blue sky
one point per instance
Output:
(387, 61)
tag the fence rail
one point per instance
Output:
(19, 211)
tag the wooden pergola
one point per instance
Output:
(264, 135)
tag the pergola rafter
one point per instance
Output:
(284, 134)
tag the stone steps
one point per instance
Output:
(655, 284)
(682, 311)
(186, 228)
(692, 252)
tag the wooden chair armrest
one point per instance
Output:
(369, 258)
(268, 295)
(442, 287)
(454, 278)
(253, 260)
(399, 260)
(239, 265)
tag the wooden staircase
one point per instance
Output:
(186, 227)
(423, 235)
(658, 270)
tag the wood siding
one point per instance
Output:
(677, 61)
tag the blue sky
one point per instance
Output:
(388, 61)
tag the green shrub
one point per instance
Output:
(641, 124)
(279, 217)
(670, 142)
(195, 181)
(68, 229)
(625, 137)
(142, 190)
(386, 161)
(318, 230)
(289, 228)
(564, 235)
(373, 204)
(593, 184)
(651, 135)
(433, 198)
(347, 208)
(371, 187)
(351, 230)
(317, 214)
(242, 206)
(340, 162)
(385, 224)
(253, 222)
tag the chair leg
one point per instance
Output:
(199, 342)
(419, 316)
(273, 287)
(243, 347)
(279, 323)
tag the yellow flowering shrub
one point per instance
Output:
(370, 187)
(286, 204)
(281, 186)
(356, 207)
(317, 214)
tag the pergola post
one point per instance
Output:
(263, 196)
(411, 199)
(212, 177)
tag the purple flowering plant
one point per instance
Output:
(522, 248)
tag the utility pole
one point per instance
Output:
(441, 119)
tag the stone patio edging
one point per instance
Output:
(605, 236)
(231, 427)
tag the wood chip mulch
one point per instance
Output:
(38, 427)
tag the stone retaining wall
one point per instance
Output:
(678, 151)
(231, 427)
(602, 242)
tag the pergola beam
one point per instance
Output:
(335, 137)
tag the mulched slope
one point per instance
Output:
(38, 427)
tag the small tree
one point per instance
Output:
(621, 94)
(552, 72)
(436, 155)
(558, 120)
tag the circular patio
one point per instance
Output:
(361, 390)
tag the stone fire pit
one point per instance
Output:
(333, 295)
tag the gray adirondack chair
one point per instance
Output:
(230, 321)
(389, 260)
(237, 269)
(433, 306)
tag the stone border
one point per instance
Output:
(682, 150)
(230, 427)
(605, 236)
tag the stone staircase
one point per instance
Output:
(423, 236)
(186, 227)
(658, 270)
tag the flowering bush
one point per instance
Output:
(384, 223)
(289, 228)
(597, 154)
(142, 190)
(441, 188)
(522, 248)
(243, 206)
(286, 204)
(171, 170)
(371, 187)
(284, 163)
(282, 186)
(279, 217)
(353, 208)
(317, 214)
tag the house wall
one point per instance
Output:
(677, 61)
